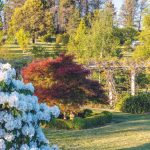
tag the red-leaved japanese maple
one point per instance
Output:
(62, 81)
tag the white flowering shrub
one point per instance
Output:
(21, 114)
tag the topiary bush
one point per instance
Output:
(21, 115)
(135, 104)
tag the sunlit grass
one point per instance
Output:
(126, 132)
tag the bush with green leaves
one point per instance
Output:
(82, 123)
(65, 38)
(93, 121)
(47, 38)
(135, 104)
(85, 113)
(61, 124)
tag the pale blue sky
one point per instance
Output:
(118, 3)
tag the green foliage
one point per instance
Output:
(101, 42)
(1, 14)
(22, 39)
(47, 38)
(122, 80)
(143, 80)
(59, 39)
(60, 124)
(65, 38)
(77, 42)
(82, 123)
(93, 121)
(135, 104)
(146, 21)
(62, 38)
(33, 17)
(10, 39)
(117, 53)
(143, 50)
(95, 42)
(39, 52)
(1, 37)
(120, 102)
(69, 16)
(125, 35)
(85, 113)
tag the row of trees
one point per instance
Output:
(132, 12)
(64, 16)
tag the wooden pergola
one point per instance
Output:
(110, 66)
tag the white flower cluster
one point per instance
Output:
(21, 115)
(6, 73)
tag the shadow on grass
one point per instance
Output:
(141, 147)
(123, 117)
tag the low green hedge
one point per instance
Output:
(85, 113)
(135, 104)
(82, 123)
(60, 124)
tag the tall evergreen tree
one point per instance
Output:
(9, 8)
(67, 12)
(33, 18)
(128, 13)
(1, 14)
(142, 5)
(143, 50)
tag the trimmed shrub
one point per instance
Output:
(93, 121)
(82, 123)
(60, 124)
(85, 113)
(135, 104)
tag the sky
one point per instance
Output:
(118, 4)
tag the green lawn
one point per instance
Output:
(126, 132)
(14, 50)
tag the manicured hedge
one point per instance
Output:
(135, 104)
(82, 123)
(60, 124)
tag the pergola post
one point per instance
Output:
(111, 87)
(133, 86)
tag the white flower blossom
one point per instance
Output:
(2, 144)
(21, 114)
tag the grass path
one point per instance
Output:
(126, 132)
